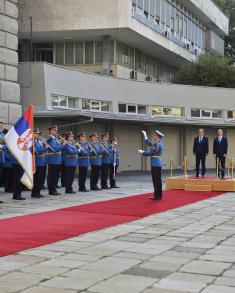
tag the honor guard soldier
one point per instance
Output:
(62, 169)
(7, 168)
(70, 162)
(39, 150)
(83, 161)
(156, 163)
(106, 160)
(44, 171)
(53, 160)
(2, 155)
(95, 161)
(17, 172)
(115, 158)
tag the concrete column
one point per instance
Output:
(106, 55)
(10, 109)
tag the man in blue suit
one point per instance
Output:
(220, 149)
(155, 154)
(200, 151)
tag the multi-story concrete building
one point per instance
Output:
(131, 50)
(10, 108)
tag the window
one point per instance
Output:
(79, 53)
(132, 109)
(122, 108)
(172, 25)
(98, 52)
(185, 31)
(95, 105)
(177, 23)
(89, 53)
(142, 110)
(206, 113)
(60, 53)
(195, 112)
(69, 53)
(166, 111)
(63, 102)
(43, 52)
(231, 114)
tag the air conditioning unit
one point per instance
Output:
(133, 74)
(149, 78)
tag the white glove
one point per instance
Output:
(144, 134)
(140, 151)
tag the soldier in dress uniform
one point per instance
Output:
(70, 162)
(44, 170)
(7, 171)
(156, 164)
(2, 155)
(62, 169)
(95, 161)
(83, 161)
(53, 159)
(106, 160)
(114, 162)
(39, 150)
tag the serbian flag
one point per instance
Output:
(19, 141)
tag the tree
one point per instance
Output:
(208, 70)
(228, 7)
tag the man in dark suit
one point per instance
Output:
(200, 151)
(220, 149)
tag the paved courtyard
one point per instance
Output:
(189, 249)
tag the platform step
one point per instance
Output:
(198, 187)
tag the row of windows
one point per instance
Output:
(174, 19)
(64, 102)
(84, 52)
(206, 113)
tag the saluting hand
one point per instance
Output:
(140, 151)
(144, 134)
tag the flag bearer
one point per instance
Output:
(156, 164)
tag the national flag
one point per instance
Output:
(19, 141)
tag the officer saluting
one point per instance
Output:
(39, 150)
(53, 159)
(83, 161)
(156, 163)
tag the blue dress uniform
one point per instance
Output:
(95, 161)
(2, 155)
(156, 163)
(8, 174)
(83, 164)
(62, 169)
(18, 172)
(106, 161)
(54, 163)
(114, 163)
(70, 163)
(40, 161)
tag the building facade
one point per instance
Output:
(10, 108)
(107, 65)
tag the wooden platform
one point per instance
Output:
(200, 184)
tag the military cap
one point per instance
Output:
(159, 133)
(53, 127)
(105, 134)
(81, 134)
(36, 130)
(94, 134)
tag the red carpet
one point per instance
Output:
(30, 231)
